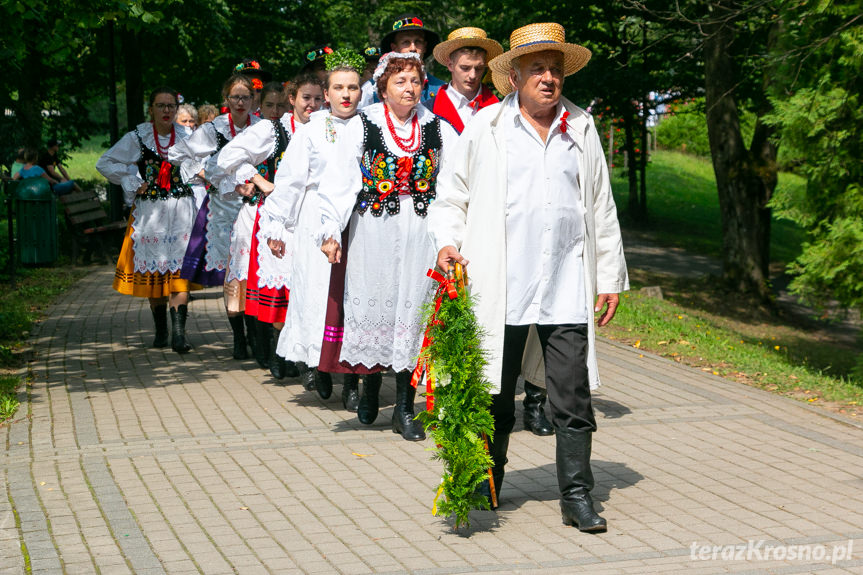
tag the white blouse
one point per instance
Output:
(342, 179)
(119, 163)
(240, 158)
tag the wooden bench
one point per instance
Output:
(89, 221)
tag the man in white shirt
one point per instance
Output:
(541, 250)
(466, 54)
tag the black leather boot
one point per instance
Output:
(291, 369)
(160, 318)
(251, 331)
(178, 329)
(277, 363)
(350, 393)
(575, 479)
(239, 328)
(367, 409)
(403, 414)
(497, 449)
(534, 414)
(308, 375)
(323, 383)
(263, 340)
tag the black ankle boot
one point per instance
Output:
(575, 479)
(160, 319)
(403, 414)
(277, 362)
(350, 393)
(178, 329)
(308, 376)
(263, 339)
(367, 409)
(534, 415)
(238, 327)
(323, 383)
(291, 369)
(251, 332)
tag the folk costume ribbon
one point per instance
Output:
(445, 285)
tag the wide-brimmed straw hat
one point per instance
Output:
(537, 38)
(410, 23)
(464, 38)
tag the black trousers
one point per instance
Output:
(564, 348)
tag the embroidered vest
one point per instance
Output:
(150, 166)
(267, 168)
(387, 176)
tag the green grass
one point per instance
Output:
(683, 206)
(81, 163)
(8, 396)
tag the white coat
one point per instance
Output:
(470, 214)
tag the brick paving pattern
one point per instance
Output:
(125, 459)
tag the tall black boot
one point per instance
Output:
(277, 362)
(350, 392)
(263, 339)
(575, 479)
(178, 329)
(497, 449)
(160, 318)
(323, 383)
(251, 331)
(308, 376)
(534, 415)
(367, 410)
(403, 414)
(239, 328)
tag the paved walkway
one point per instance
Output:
(126, 459)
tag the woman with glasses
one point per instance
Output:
(268, 279)
(210, 248)
(163, 211)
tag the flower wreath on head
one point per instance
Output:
(385, 60)
(344, 58)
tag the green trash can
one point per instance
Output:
(36, 211)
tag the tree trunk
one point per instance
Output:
(634, 211)
(745, 179)
(134, 79)
(28, 111)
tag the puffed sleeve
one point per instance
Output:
(191, 153)
(119, 166)
(238, 159)
(341, 182)
(279, 212)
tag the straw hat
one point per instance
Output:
(538, 38)
(463, 38)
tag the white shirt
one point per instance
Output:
(241, 156)
(461, 103)
(367, 94)
(544, 224)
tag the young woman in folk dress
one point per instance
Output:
(160, 224)
(207, 257)
(268, 278)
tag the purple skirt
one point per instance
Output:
(194, 262)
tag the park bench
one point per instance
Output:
(88, 222)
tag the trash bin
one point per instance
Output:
(36, 222)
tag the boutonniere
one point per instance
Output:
(563, 121)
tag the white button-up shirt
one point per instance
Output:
(461, 104)
(544, 225)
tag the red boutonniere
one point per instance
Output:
(563, 121)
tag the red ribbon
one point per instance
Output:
(448, 286)
(164, 178)
(563, 121)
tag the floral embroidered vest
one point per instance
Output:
(163, 178)
(387, 176)
(267, 168)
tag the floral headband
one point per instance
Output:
(385, 60)
(345, 59)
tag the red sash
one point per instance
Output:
(444, 107)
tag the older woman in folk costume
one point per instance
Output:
(315, 317)
(526, 198)
(273, 105)
(381, 179)
(207, 258)
(242, 160)
(163, 211)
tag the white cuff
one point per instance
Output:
(244, 174)
(273, 229)
(329, 229)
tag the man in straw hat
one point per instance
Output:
(525, 196)
(466, 54)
